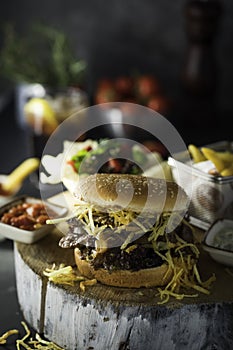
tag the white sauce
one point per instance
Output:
(224, 239)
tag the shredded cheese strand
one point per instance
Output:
(67, 276)
(7, 334)
(191, 245)
(62, 275)
(127, 241)
(186, 275)
(83, 284)
(39, 343)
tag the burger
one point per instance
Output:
(132, 231)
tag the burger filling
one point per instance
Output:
(125, 240)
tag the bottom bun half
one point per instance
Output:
(151, 277)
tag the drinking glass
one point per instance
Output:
(41, 109)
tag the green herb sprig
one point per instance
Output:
(43, 56)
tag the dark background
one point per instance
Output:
(116, 37)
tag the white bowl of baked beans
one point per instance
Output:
(24, 218)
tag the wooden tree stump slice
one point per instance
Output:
(113, 318)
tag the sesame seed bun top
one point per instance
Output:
(131, 192)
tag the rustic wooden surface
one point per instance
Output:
(113, 318)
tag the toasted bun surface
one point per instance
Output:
(152, 277)
(132, 192)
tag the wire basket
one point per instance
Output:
(211, 196)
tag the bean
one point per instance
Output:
(26, 216)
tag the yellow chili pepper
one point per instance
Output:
(196, 154)
(213, 156)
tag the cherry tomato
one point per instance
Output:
(124, 86)
(146, 86)
(71, 162)
(156, 146)
(105, 83)
(106, 95)
(115, 165)
(158, 103)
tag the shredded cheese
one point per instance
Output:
(33, 344)
(3, 338)
(186, 276)
(191, 245)
(29, 343)
(131, 248)
(128, 240)
(66, 275)
(62, 275)
(85, 283)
